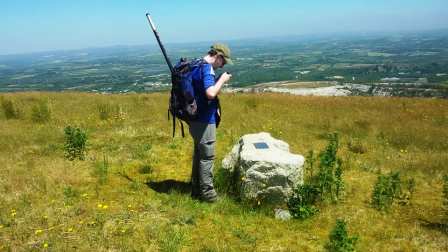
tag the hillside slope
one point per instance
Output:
(116, 198)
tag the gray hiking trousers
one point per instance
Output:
(204, 137)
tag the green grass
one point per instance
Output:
(50, 203)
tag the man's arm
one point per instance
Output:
(214, 90)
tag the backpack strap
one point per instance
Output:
(174, 114)
(182, 128)
(219, 112)
(174, 124)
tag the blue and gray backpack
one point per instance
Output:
(182, 102)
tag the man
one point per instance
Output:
(203, 129)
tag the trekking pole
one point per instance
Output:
(160, 43)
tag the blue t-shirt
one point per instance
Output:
(203, 78)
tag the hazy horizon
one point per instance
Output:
(283, 38)
(41, 26)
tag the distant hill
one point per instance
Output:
(353, 58)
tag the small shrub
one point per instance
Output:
(339, 182)
(41, 112)
(387, 188)
(328, 180)
(75, 143)
(339, 239)
(11, 109)
(327, 184)
(301, 203)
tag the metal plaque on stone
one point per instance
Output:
(261, 145)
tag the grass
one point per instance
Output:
(50, 203)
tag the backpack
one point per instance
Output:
(182, 103)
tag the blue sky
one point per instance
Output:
(39, 25)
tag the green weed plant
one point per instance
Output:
(302, 202)
(75, 143)
(387, 189)
(326, 185)
(329, 177)
(340, 240)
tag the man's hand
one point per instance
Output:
(225, 77)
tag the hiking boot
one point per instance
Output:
(210, 197)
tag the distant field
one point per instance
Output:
(358, 58)
(108, 202)
(296, 84)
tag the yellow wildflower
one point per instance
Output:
(1, 226)
(123, 230)
(105, 206)
(70, 230)
(129, 206)
(85, 195)
(38, 231)
(45, 245)
(100, 205)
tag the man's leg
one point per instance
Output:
(207, 156)
(195, 190)
(204, 138)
